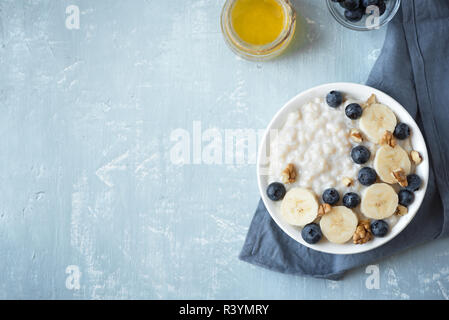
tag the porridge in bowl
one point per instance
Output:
(342, 169)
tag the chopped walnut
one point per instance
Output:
(388, 139)
(371, 100)
(400, 176)
(356, 135)
(347, 181)
(401, 210)
(289, 174)
(362, 233)
(323, 209)
(416, 157)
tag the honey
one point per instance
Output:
(258, 22)
(258, 29)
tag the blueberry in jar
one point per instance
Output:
(401, 131)
(276, 191)
(360, 154)
(350, 4)
(353, 111)
(334, 99)
(311, 233)
(367, 3)
(354, 15)
(331, 196)
(406, 197)
(413, 182)
(382, 7)
(367, 176)
(351, 200)
(379, 228)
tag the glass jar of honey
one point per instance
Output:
(258, 29)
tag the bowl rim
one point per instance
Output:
(350, 25)
(417, 139)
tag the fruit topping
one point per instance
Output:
(413, 182)
(379, 201)
(334, 99)
(331, 196)
(339, 224)
(401, 131)
(375, 120)
(379, 228)
(360, 154)
(351, 200)
(367, 176)
(276, 191)
(388, 159)
(311, 233)
(353, 111)
(299, 207)
(406, 197)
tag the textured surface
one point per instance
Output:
(87, 177)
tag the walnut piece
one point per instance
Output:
(401, 210)
(347, 181)
(362, 233)
(388, 139)
(416, 157)
(289, 174)
(323, 209)
(371, 100)
(356, 135)
(400, 176)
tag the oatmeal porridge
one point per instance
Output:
(343, 168)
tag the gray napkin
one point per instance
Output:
(413, 68)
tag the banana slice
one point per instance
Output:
(339, 224)
(379, 201)
(299, 207)
(375, 120)
(388, 159)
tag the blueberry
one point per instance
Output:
(379, 228)
(382, 7)
(353, 111)
(402, 131)
(414, 182)
(351, 200)
(406, 197)
(354, 15)
(334, 99)
(367, 176)
(367, 3)
(276, 191)
(331, 196)
(360, 154)
(350, 4)
(311, 233)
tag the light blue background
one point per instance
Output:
(85, 171)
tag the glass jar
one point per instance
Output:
(262, 51)
(337, 11)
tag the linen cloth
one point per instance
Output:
(413, 68)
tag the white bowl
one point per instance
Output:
(360, 92)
